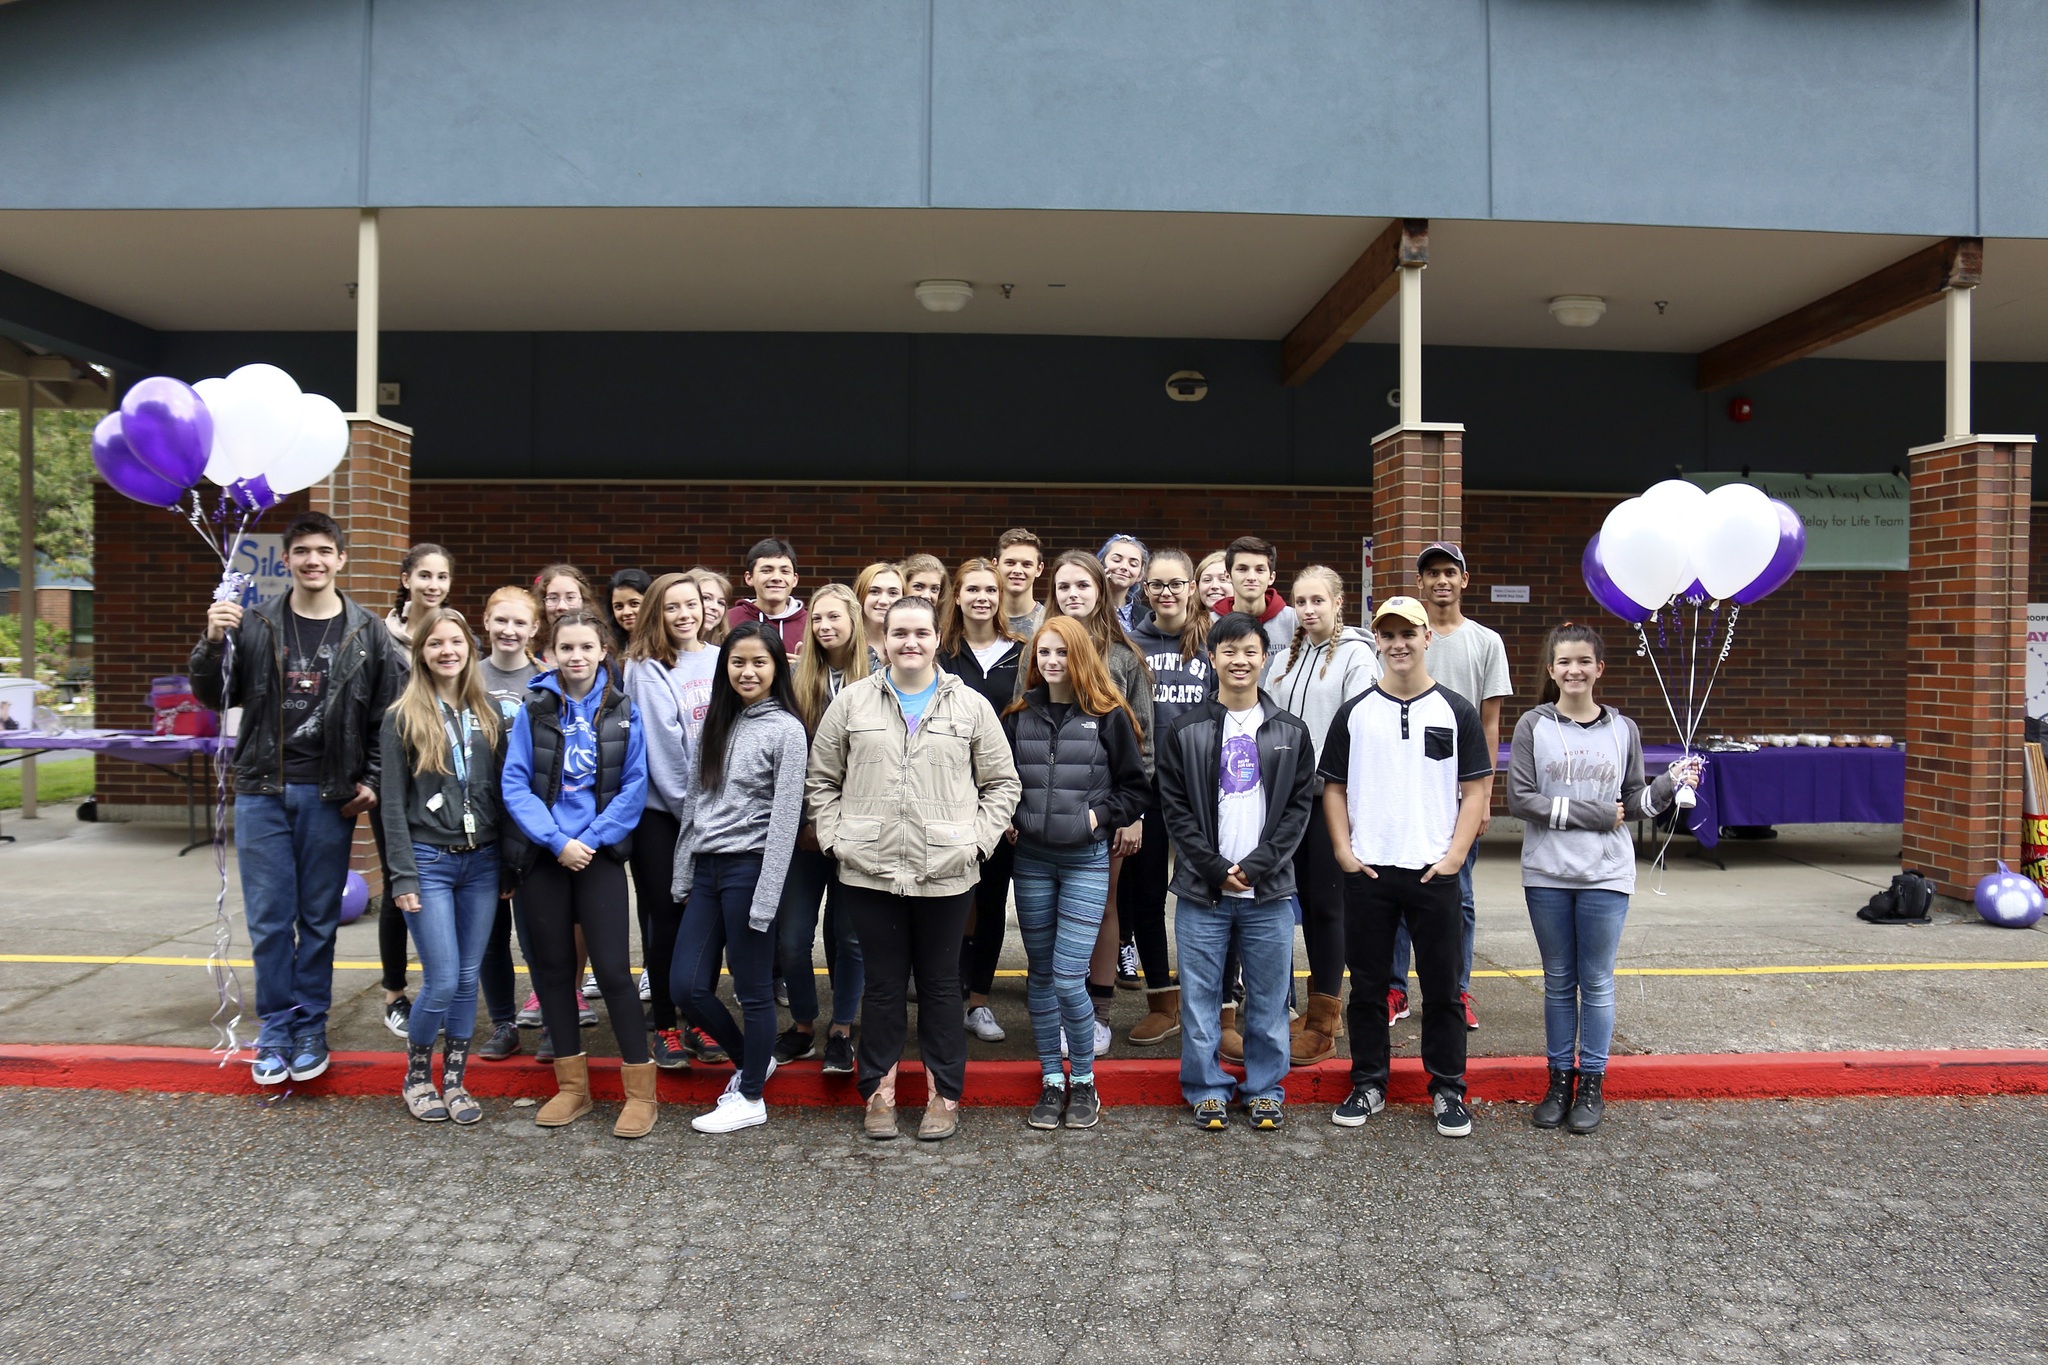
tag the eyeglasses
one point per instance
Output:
(1166, 585)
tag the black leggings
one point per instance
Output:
(1320, 884)
(981, 950)
(557, 901)
(390, 919)
(495, 976)
(895, 933)
(1141, 899)
(654, 867)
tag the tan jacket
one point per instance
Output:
(912, 815)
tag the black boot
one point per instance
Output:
(1589, 1107)
(1550, 1111)
(420, 1096)
(462, 1106)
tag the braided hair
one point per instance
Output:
(1334, 581)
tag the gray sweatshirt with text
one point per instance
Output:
(757, 808)
(1564, 779)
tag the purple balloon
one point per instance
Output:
(127, 474)
(1791, 549)
(355, 897)
(1695, 589)
(253, 495)
(1611, 598)
(168, 428)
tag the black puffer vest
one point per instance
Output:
(1065, 772)
(544, 715)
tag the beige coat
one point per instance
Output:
(912, 815)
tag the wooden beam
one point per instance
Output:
(51, 394)
(1350, 303)
(1900, 288)
(23, 364)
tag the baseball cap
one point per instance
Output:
(1441, 547)
(1407, 608)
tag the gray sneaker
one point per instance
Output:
(1084, 1106)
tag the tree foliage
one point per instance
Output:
(63, 489)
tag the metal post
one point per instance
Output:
(367, 269)
(27, 593)
(1411, 345)
(1958, 376)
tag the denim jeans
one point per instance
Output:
(715, 925)
(810, 883)
(292, 851)
(1061, 893)
(451, 929)
(1579, 934)
(1264, 932)
(1403, 949)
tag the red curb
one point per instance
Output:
(1775, 1075)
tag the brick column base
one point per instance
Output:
(1418, 495)
(1966, 632)
(370, 494)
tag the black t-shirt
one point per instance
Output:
(309, 650)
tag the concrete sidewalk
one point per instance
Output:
(1766, 956)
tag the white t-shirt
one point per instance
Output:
(1470, 661)
(1401, 763)
(991, 654)
(1240, 795)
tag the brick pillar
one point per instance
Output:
(370, 494)
(1418, 495)
(1966, 632)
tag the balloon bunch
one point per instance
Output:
(256, 437)
(1661, 559)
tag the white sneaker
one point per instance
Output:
(590, 990)
(732, 1087)
(733, 1112)
(646, 987)
(1102, 1038)
(981, 1022)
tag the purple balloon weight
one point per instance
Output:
(1791, 549)
(2009, 900)
(253, 495)
(355, 898)
(168, 428)
(1611, 598)
(121, 469)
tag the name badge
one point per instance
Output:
(434, 801)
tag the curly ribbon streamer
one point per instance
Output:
(227, 987)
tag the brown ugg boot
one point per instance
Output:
(572, 1093)
(1231, 1049)
(1319, 1038)
(1163, 1021)
(636, 1117)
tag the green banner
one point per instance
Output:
(1853, 521)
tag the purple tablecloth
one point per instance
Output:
(1793, 787)
(133, 746)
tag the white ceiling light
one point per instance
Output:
(1578, 310)
(944, 296)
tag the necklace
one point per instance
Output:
(298, 639)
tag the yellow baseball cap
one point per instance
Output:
(1407, 608)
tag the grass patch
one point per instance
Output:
(58, 781)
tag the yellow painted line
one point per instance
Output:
(1517, 973)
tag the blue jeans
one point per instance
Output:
(1403, 950)
(715, 924)
(1061, 894)
(292, 851)
(811, 880)
(1579, 935)
(1265, 938)
(451, 929)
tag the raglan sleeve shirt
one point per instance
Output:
(785, 819)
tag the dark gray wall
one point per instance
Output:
(875, 407)
(1892, 116)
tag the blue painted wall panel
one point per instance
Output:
(1364, 107)
(2014, 117)
(1739, 113)
(227, 104)
(648, 102)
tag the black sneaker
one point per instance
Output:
(1084, 1106)
(503, 1043)
(1050, 1109)
(1365, 1101)
(1453, 1119)
(1267, 1115)
(1211, 1116)
(544, 1048)
(705, 1048)
(1127, 966)
(665, 1049)
(795, 1046)
(398, 1015)
(838, 1055)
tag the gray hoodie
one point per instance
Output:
(1564, 779)
(1323, 678)
(758, 808)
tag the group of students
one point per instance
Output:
(902, 754)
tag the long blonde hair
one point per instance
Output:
(650, 640)
(713, 634)
(419, 706)
(866, 579)
(812, 676)
(1335, 583)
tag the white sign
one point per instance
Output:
(262, 558)
(1511, 592)
(2037, 659)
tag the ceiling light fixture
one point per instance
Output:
(944, 296)
(1578, 310)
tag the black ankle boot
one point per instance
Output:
(1589, 1107)
(1550, 1111)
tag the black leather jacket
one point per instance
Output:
(1190, 757)
(361, 687)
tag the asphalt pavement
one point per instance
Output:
(180, 1228)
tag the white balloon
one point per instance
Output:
(1734, 538)
(1674, 502)
(218, 398)
(1645, 555)
(322, 443)
(262, 419)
